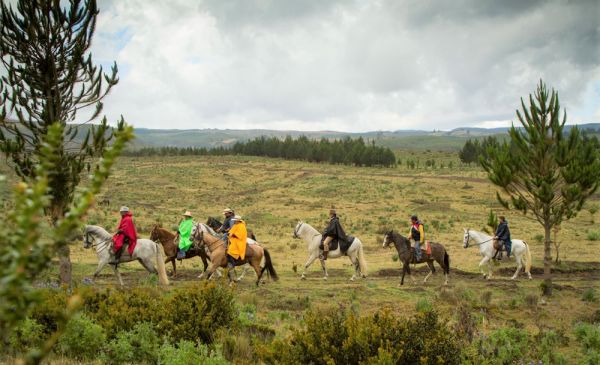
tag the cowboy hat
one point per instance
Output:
(187, 214)
(124, 209)
(237, 217)
(227, 210)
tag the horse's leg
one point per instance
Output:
(354, 261)
(101, 265)
(519, 266)
(431, 270)
(481, 263)
(119, 275)
(309, 262)
(324, 269)
(244, 269)
(404, 268)
(256, 266)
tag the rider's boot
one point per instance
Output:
(118, 256)
(180, 254)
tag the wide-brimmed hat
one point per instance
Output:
(227, 210)
(187, 213)
(237, 217)
(124, 209)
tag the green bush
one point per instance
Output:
(589, 295)
(82, 339)
(135, 346)
(423, 305)
(29, 334)
(335, 336)
(197, 312)
(504, 346)
(186, 353)
(593, 235)
(547, 343)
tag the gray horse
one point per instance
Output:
(145, 252)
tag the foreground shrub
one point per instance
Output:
(186, 353)
(29, 334)
(82, 339)
(334, 336)
(138, 345)
(505, 345)
(588, 336)
(196, 313)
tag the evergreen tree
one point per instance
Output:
(49, 78)
(545, 171)
(470, 152)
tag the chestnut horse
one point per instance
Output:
(167, 239)
(201, 233)
(407, 256)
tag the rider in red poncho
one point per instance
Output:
(126, 235)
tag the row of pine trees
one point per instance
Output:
(346, 151)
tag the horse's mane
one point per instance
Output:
(309, 226)
(397, 236)
(213, 222)
(206, 228)
(96, 230)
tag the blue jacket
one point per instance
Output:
(502, 232)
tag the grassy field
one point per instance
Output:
(273, 195)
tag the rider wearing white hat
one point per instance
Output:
(185, 231)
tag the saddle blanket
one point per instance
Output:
(344, 245)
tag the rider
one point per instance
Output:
(185, 231)
(126, 234)
(417, 233)
(227, 224)
(237, 247)
(503, 235)
(333, 230)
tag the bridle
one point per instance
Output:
(95, 244)
(476, 243)
(297, 230)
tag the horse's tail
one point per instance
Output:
(361, 261)
(528, 259)
(269, 266)
(446, 262)
(160, 265)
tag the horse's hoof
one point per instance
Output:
(303, 277)
(352, 278)
(324, 277)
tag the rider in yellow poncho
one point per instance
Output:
(237, 239)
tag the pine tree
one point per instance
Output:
(49, 77)
(544, 170)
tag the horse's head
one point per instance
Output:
(387, 239)
(466, 238)
(87, 240)
(154, 233)
(197, 234)
(213, 223)
(297, 229)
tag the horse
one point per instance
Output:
(487, 250)
(313, 239)
(201, 233)
(145, 251)
(167, 239)
(406, 256)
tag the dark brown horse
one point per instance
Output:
(167, 239)
(406, 254)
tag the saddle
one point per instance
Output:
(343, 245)
(499, 245)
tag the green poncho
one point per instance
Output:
(185, 231)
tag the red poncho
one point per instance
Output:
(126, 229)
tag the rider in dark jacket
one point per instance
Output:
(333, 231)
(503, 235)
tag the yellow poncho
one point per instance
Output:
(237, 240)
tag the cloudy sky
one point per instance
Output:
(345, 65)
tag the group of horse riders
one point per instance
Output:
(233, 229)
(235, 233)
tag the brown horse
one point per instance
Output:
(218, 256)
(167, 239)
(407, 256)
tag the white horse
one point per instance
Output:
(313, 239)
(145, 251)
(519, 249)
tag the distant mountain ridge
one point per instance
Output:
(409, 139)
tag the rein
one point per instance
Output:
(97, 244)
(298, 230)
(476, 244)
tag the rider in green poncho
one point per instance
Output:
(185, 231)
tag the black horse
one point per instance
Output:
(407, 256)
(215, 224)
